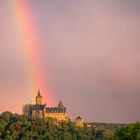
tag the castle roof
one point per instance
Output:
(38, 94)
(78, 118)
(55, 110)
(60, 105)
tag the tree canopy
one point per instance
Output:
(19, 127)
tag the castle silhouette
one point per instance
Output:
(39, 110)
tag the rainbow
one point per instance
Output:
(29, 42)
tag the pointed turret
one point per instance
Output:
(60, 105)
(38, 98)
(38, 93)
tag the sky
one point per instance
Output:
(86, 53)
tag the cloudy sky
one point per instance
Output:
(89, 57)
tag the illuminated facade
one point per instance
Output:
(79, 122)
(40, 110)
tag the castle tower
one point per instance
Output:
(60, 105)
(38, 98)
(79, 121)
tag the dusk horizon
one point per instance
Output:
(85, 53)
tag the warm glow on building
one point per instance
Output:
(40, 110)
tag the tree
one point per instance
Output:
(129, 132)
(6, 116)
(2, 126)
(67, 136)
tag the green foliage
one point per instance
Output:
(110, 126)
(129, 132)
(19, 127)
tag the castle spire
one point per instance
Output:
(60, 105)
(38, 98)
(38, 93)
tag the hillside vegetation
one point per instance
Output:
(19, 127)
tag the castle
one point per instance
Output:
(39, 110)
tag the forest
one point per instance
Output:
(19, 127)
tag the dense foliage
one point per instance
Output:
(19, 127)
(128, 132)
(110, 126)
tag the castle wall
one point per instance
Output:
(57, 116)
(40, 110)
